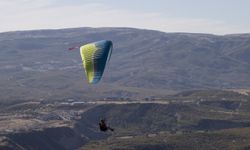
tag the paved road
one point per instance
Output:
(123, 102)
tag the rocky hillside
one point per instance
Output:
(202, 120)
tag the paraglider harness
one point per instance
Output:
(104, 127)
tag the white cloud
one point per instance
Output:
(44, 14)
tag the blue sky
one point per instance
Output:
(197, 16)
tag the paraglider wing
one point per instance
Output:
(95, 56)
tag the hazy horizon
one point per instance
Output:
(193, 16)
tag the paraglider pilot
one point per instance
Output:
(104, 127)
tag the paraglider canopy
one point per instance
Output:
(95, 57)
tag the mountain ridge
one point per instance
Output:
(36, 64)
